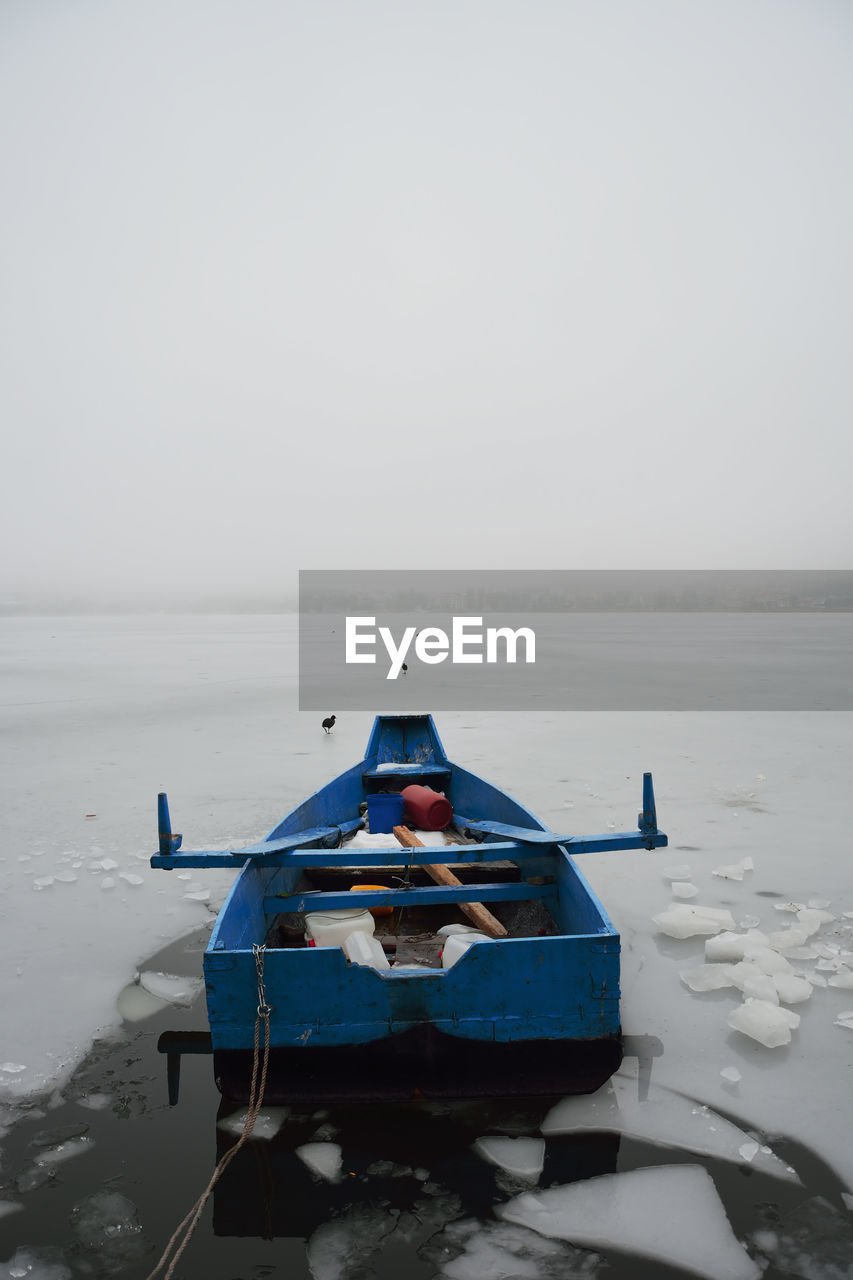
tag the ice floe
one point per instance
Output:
(472, 1250)
(522, 1157)
(683, 920)
(814, 1241)
(267, 1124)
(170, 987)
(707, 977)
(322, 1158)
(732, 871)
(670, 1213)
(664, 1118)
(765, 1022)
(35, 1264)
(108, 1234)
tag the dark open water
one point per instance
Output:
(408, 1175)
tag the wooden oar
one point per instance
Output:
(475, 911)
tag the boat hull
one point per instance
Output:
(534, 1012)
(423, 1062)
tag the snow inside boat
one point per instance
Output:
(408, 1003)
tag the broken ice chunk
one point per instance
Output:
(522, 1157)
(811, 919)
(787, 939)
(726, 948)
(818, 904)
(707, 977)
(750, 1150)
(791, 989)
(322, 1158)
(135, 1004)
(767, 1023)
(166, 986)
(685, 921)
(130, 877)
(800, 953)
(768, 960)
(731, 1074)
(733, 871)
(681, 872)
(842, 979)
(760, 987)
(664, 1118)
(266, 1126)
(684, 889)
(669, 1213)
(64, 1151)
(41, 1264)
(793, 907)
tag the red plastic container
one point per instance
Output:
(426, 809)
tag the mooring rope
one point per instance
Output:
(189, 1223)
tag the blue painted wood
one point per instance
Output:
(428, 854)
(434, 895)
(563, 987)
(266, 850)
(168, 843)
(526, 835)
(507, 990)
(398, 771)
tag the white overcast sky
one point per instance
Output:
(422, 283)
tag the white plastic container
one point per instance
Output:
(332, 928)
(360, 948)
(456, 946)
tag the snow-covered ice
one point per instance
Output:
(670, 1213)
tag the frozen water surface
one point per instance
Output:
(671, 1214)
(664, 1118)
(132, 718)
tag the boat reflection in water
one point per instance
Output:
(417, 1162)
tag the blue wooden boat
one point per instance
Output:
(536, 1012)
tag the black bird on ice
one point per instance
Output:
(328, 723)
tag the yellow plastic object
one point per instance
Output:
(373, 888)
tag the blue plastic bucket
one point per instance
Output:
(384, 812)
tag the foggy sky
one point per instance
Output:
(391, 284)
